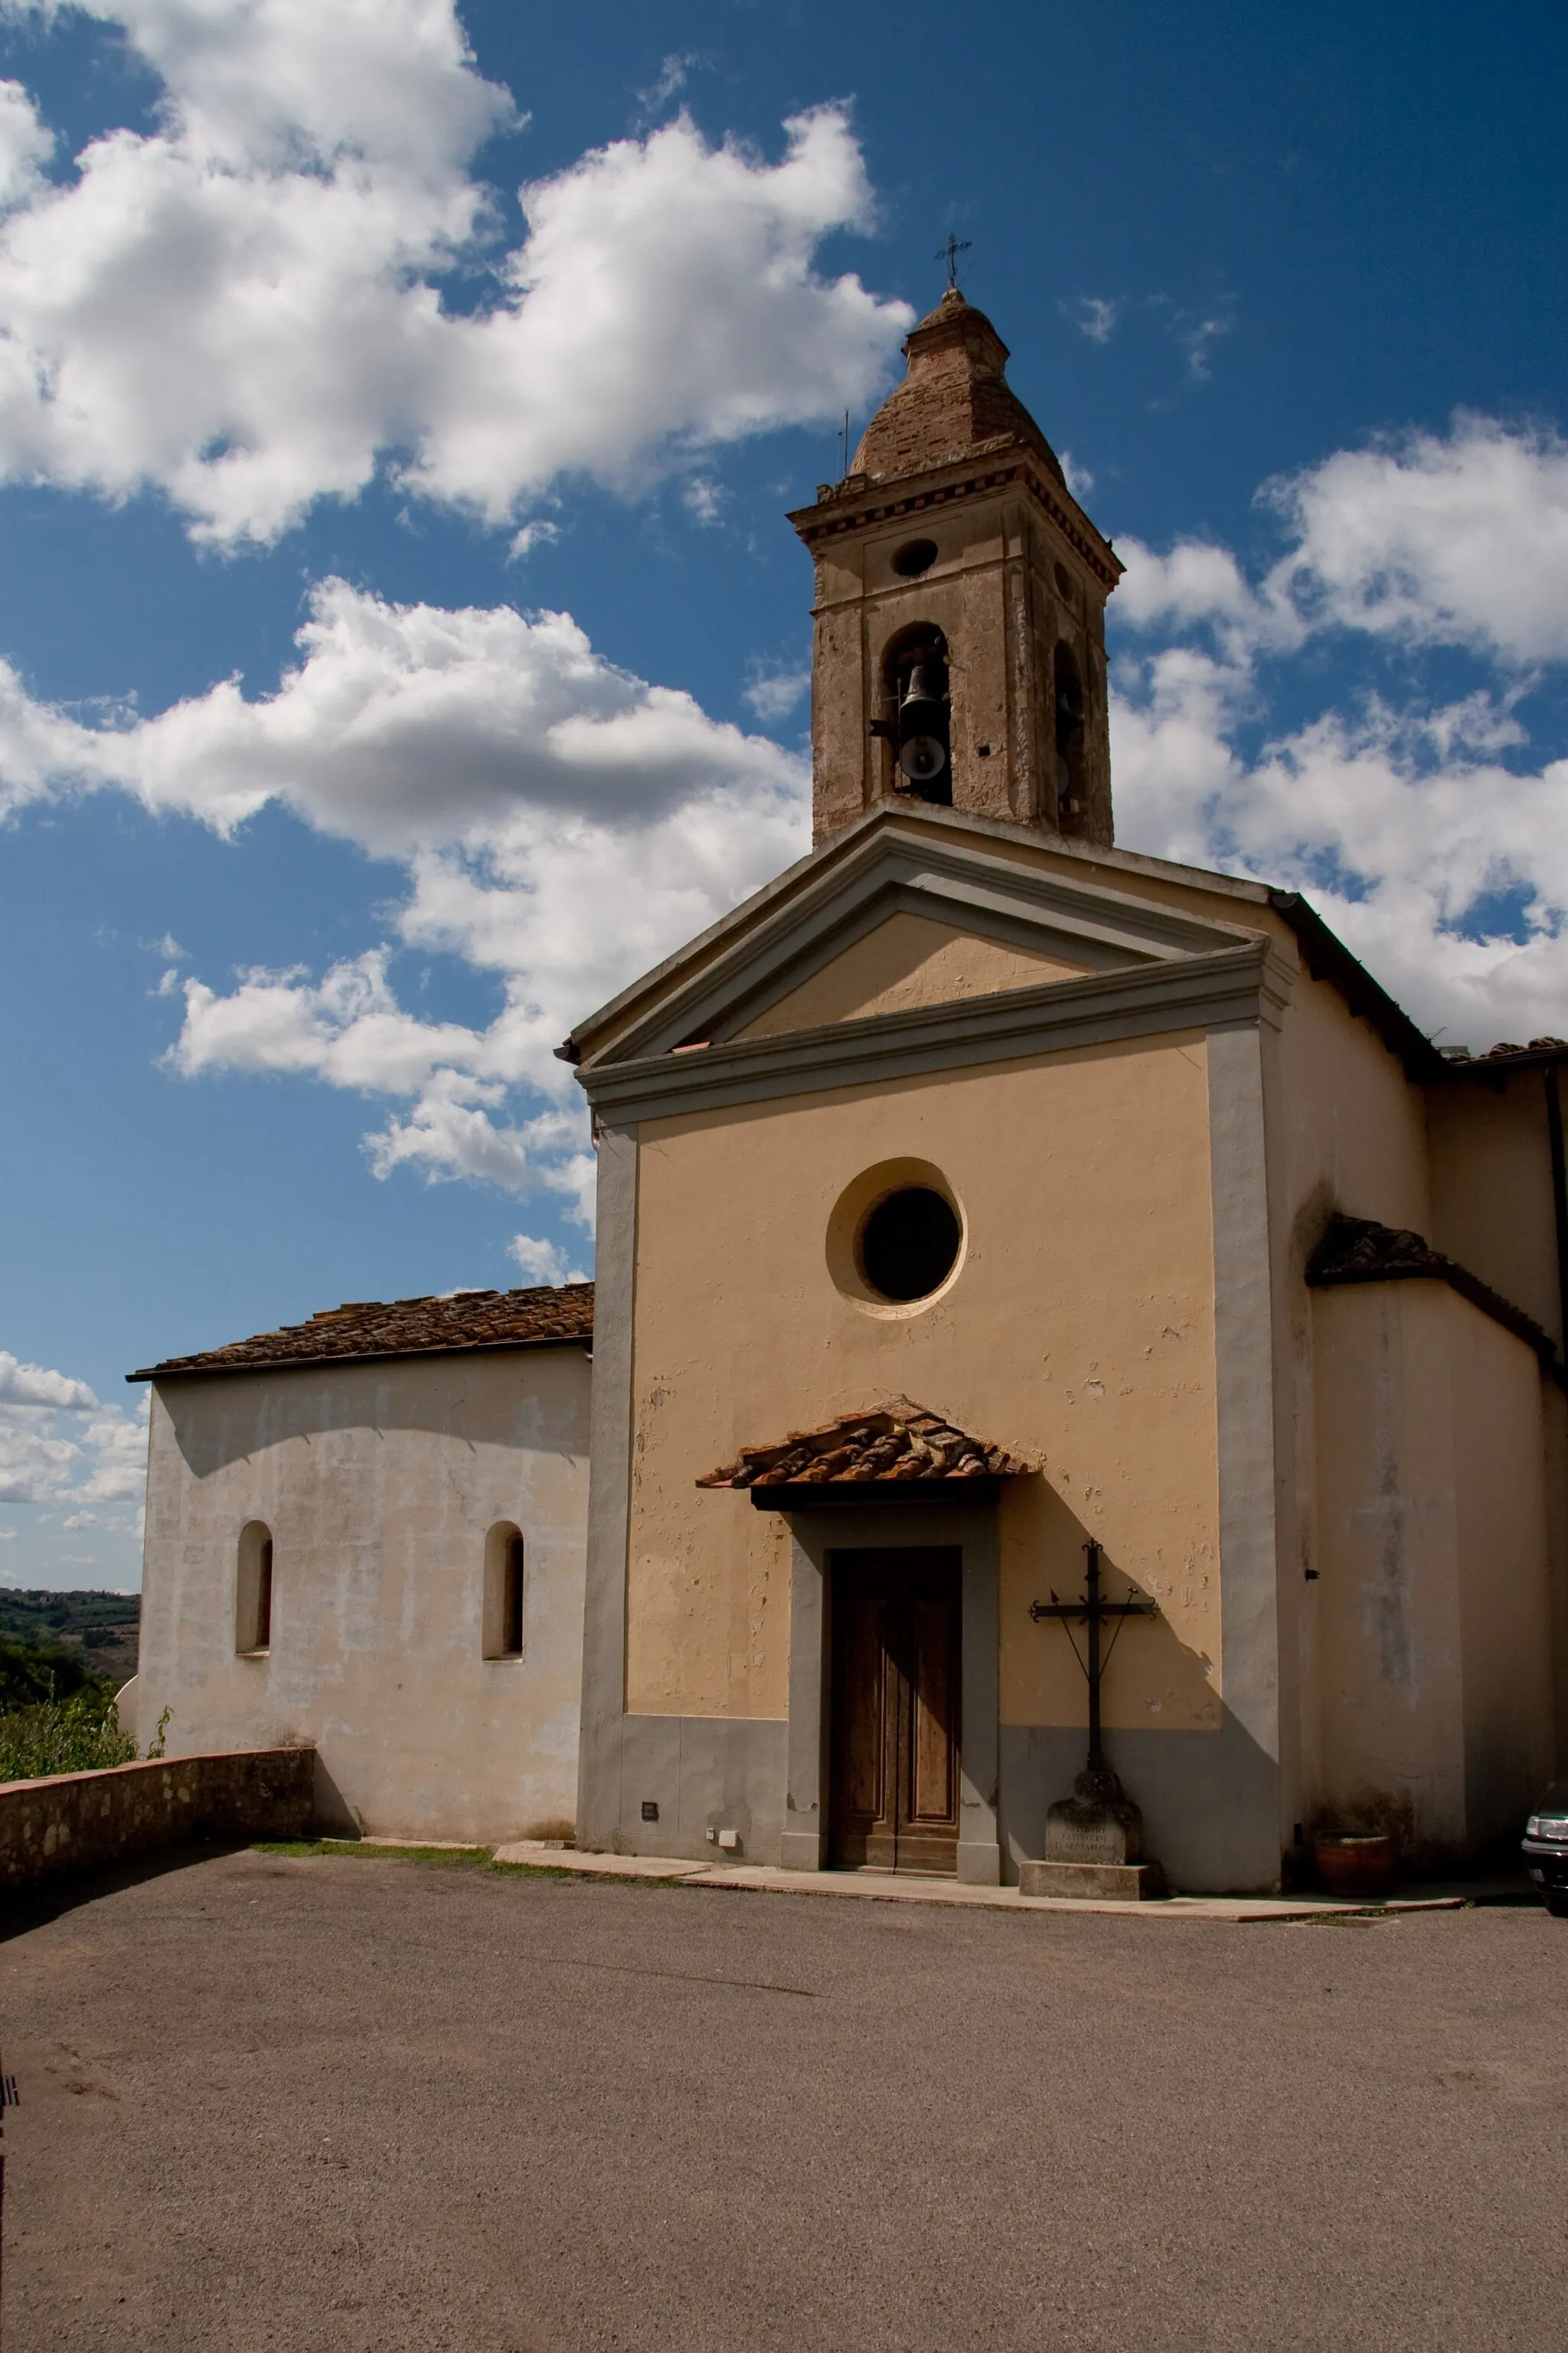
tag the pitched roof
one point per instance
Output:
(899, 1440)
(1539, 1054)
(463, 1324)
(1358, 1250)
(954, 400)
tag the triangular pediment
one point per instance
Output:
(907, 917)
(907, 960)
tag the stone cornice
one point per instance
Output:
(864, 501)
(1236, 987)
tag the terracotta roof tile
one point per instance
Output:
(466, 1321)
(1538, 1051)
(898, 1440)
(1358, 1250)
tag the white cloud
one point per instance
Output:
(774, 694)
(563, 910)
(1095, 315)
(25, 146)
(665, 300)
(1455, 541)
(1079, 480)
(1422, 830)
(1197, 585)
(1197, 337)
(542, 1261)
(671, 78)
(538, 534)
(703, 498)
(562, 823)
(405, 724)
(32, 1388)
(242, 308)
(1406, 807)
(58, 1444)
(1429, 541)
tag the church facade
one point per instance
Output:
(978, 1204)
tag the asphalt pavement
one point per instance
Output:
(369, 2105)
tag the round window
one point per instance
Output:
(915, 556)
(908, 1242)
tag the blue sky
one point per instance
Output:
(404, 643)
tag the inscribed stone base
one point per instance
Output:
(1097, 1824)
(1125, 1882)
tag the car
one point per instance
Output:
(1545, 1849)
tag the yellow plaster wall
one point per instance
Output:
(1347, 1131)
(1078, 1330)
(1386, 1599)
(1491, 1188)
(1353, 1126)
(1431, 1603)
(909, 961)
(1505, 1606)
(1492, 1209)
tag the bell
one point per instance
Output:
(922, 724)
(920, 713)
(923, 758)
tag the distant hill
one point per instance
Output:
(102, 1626)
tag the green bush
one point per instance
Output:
(31, 1672)
(79, 1734)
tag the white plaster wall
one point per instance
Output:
(379, 1483)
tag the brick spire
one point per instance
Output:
(954, 400)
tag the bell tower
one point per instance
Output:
(958, 658)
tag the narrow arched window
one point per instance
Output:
(253, 1589)
(917, 720)
(503, 1592)
(1069, 737)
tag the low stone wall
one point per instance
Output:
(72, 1822)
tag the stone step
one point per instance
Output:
(1122, 1883)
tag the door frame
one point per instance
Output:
(879, 1688)
(816, 1535)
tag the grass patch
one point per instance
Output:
(439, 1858)
(462, 1858)
(459, 1857)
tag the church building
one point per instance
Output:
(983, 1210)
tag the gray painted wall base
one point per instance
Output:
(703, 1773)
(979, 1863)
(1210, 1800)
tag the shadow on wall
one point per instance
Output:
(1209, 1793)
(1209, 1800)
(334, 1817)
(1159, 1669)
(533, 1402)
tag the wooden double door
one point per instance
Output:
(896, 1678)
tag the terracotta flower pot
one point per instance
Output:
(1354, 1863)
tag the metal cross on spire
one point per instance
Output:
(950, 253)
